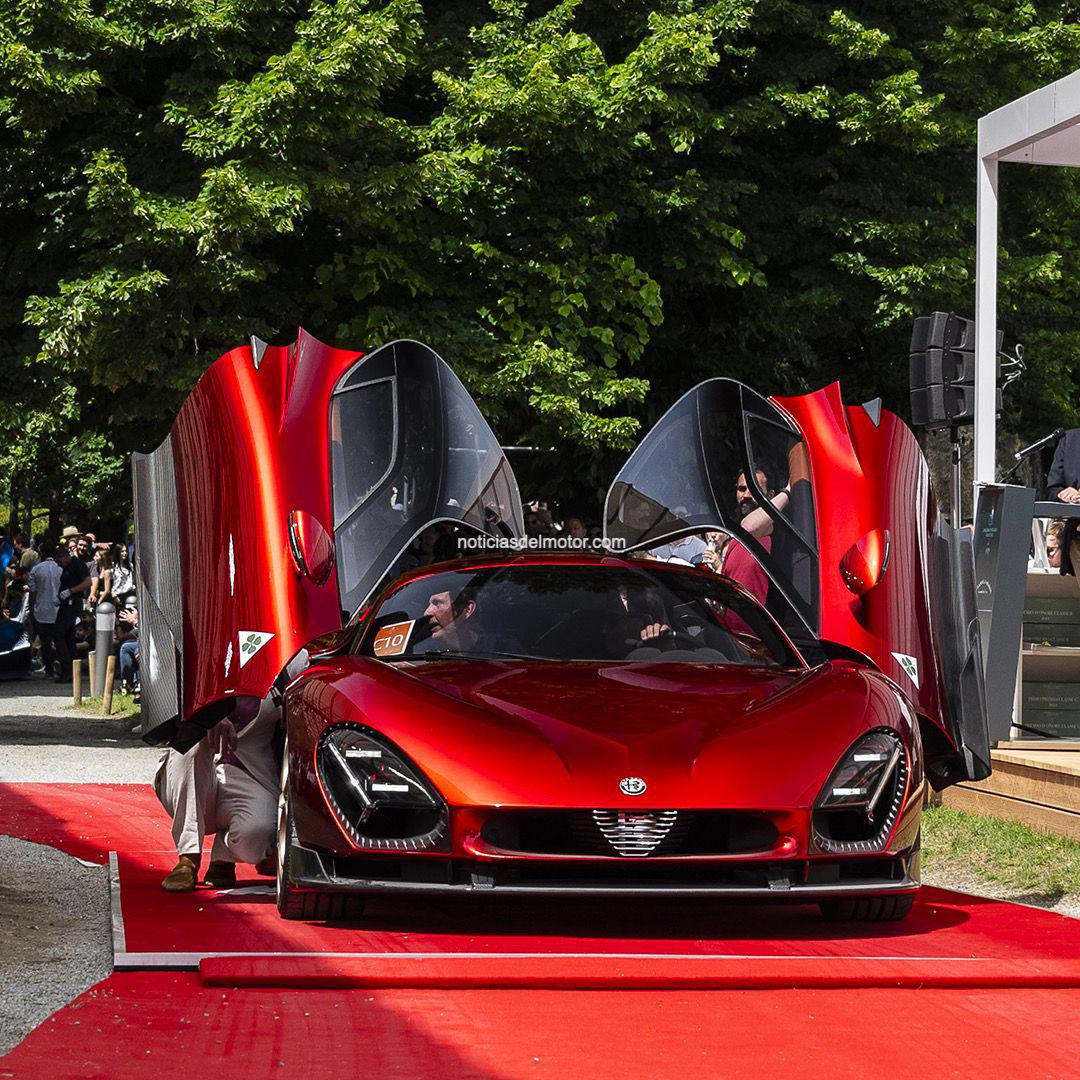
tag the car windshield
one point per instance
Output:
(605, 612)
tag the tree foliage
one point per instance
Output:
(585, 206)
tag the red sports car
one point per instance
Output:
(619, 722)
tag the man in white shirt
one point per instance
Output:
(688, 549)
(44, 586)
(226, 786)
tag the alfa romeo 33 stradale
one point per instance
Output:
(532, 723)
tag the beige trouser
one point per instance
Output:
(205, 795)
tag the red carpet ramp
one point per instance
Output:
(165, 1023)
(482, 971)
(500, 991)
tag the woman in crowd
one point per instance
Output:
(127, 638)
(16, 600)
(123, 577)
(102, 588)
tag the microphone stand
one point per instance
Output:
(1020, 455)
(956, 477)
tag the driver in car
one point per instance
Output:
(449, 623)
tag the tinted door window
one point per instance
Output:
(363, 427)
(683, 477)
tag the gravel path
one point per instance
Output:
(55, 939)
(43, 740)
(964, 881)
(54, 934)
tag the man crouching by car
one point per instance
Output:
(227, 786)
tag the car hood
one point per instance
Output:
(582, 706)
(546, 734)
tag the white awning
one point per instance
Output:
(1040, 128)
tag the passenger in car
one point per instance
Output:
(795, 504)
(754, 519)
(738, 564)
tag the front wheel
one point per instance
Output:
(291, 903)
(868, 908)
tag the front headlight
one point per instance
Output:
(859, 803)
(382, 801)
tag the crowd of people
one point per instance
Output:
(52, 590)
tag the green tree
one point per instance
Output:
(584, 206)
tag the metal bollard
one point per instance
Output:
(110, 679)
(104, 624)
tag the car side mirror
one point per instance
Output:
(330, 644)
(865, 562)
(311, 546)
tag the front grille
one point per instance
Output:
(630, 833)
(634, 834)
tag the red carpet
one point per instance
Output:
(522, 989)
(140, 1024)
(178, 930)
(86, 820)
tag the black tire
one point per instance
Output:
(291, 903)
(868, 908)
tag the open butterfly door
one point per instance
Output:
(290, 486)
(858, 558)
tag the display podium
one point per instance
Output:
(1049, 705)
(1048, 689)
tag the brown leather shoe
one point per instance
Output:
(220, 874)
(183, 876)
(267, 867)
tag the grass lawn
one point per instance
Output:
(123, 707)
(1000, 852)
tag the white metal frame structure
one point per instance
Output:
(1037, 129)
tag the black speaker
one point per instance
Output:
(944, 330)
(942, 366)
(941, 370)
(945, 406)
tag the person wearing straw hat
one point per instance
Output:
(74, 583)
